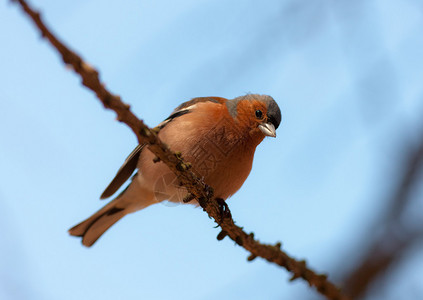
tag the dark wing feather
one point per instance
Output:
(200, 99)
(124, 172)
(184, 108)
(173, 116)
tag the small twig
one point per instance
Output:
(193, 184)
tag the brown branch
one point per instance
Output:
(383, 254)
(386, 249)
(193, 184)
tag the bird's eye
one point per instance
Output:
(259, 114)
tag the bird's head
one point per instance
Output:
(259, 114)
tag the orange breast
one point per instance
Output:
(220, 152)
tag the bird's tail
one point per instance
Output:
(130, 200)
(93, 227)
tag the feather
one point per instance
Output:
(125, 171)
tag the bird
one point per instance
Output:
(217, 136)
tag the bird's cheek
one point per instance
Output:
(253, 131)
(256, 135)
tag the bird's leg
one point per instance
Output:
(224, 209)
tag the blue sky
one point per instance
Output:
(347, 76)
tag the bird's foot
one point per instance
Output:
(224, 209)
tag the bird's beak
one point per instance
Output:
(268, 129)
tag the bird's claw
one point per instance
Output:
(224, 209)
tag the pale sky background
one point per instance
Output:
(347, 76)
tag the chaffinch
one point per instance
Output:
(217, 136)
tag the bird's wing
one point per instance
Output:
(131, 161)
(124, 172)
(194, 101)
(189, 106)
